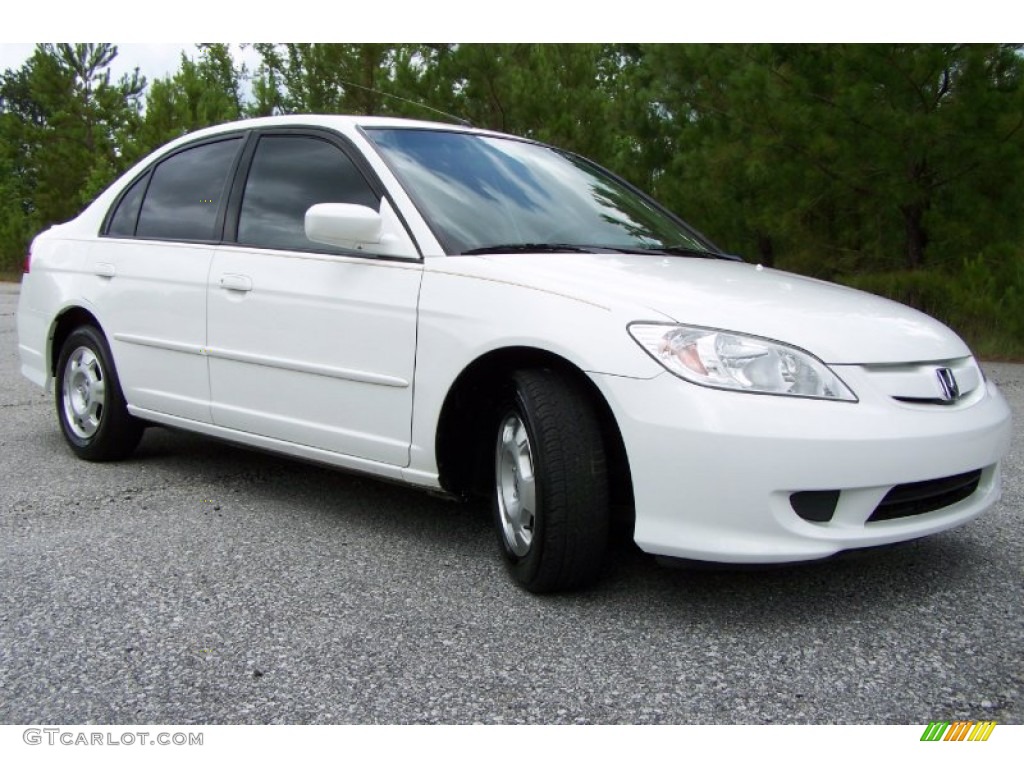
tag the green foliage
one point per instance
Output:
(895, 168)
(325, 78)
(983, 301)
(553, 93)
(63, 129)
(844, 156)
(201, 93)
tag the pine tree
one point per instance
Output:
(63, 129)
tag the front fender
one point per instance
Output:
(464, 316)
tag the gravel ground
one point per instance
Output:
(201, 583)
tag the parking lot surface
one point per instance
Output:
(202, 583)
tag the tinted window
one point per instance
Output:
(185, 195)
(122, 223)
(288, 175)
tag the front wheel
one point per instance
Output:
(90, 405)
(551, 484)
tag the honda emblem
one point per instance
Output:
(947, 382)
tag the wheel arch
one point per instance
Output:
(463, 436)
(64, 323)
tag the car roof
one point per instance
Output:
(335, 122)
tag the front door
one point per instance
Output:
(308, 344)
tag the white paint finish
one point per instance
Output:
(319, 352)
(466, 313)
(290, 364)
(347, 361)
(165, 344)
(836, 324)
(713, 470)
(33, 366)
(153, 311)
(359, 228)
(33, 331)
(241, 283)
(47, 291)
(305, 452)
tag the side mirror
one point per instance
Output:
(359, 228)
(342, 224)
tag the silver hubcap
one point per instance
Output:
(516, 485)
(84, 392)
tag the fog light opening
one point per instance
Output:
(815, 506)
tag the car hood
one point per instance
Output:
(837, 324)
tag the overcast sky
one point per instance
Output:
(651, 21)
(154, 60)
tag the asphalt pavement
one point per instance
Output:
(201, 583)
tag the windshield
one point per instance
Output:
(481, 193)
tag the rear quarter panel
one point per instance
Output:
(51, 287)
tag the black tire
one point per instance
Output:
(90, 404)
(550, 499)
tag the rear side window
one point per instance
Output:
(186, 194)
(288, 175)
(122, 223)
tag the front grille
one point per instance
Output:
(943, 383)
(928, 400)
(918, 498)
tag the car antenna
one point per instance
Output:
(460, 120)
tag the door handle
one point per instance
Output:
(104, 269)
(236, 282)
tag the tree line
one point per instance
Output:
(895, 168)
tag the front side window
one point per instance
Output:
(288, 175)
(186, 194)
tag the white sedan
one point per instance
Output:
(476, 313)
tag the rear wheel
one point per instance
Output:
(551, 484)
(90, 405)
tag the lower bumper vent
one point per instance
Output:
(918, 498)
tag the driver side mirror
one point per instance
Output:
(359, 228)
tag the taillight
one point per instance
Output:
(28, 262)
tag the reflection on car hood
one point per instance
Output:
(839, 325)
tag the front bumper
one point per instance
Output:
(713, 471)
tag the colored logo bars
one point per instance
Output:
(959, 730)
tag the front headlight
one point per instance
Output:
(726, 360)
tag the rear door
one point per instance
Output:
(148, 274)
(307, 343)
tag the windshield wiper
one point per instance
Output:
(679, 250)
(527, 248)
(671, 250)
(682, 250)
